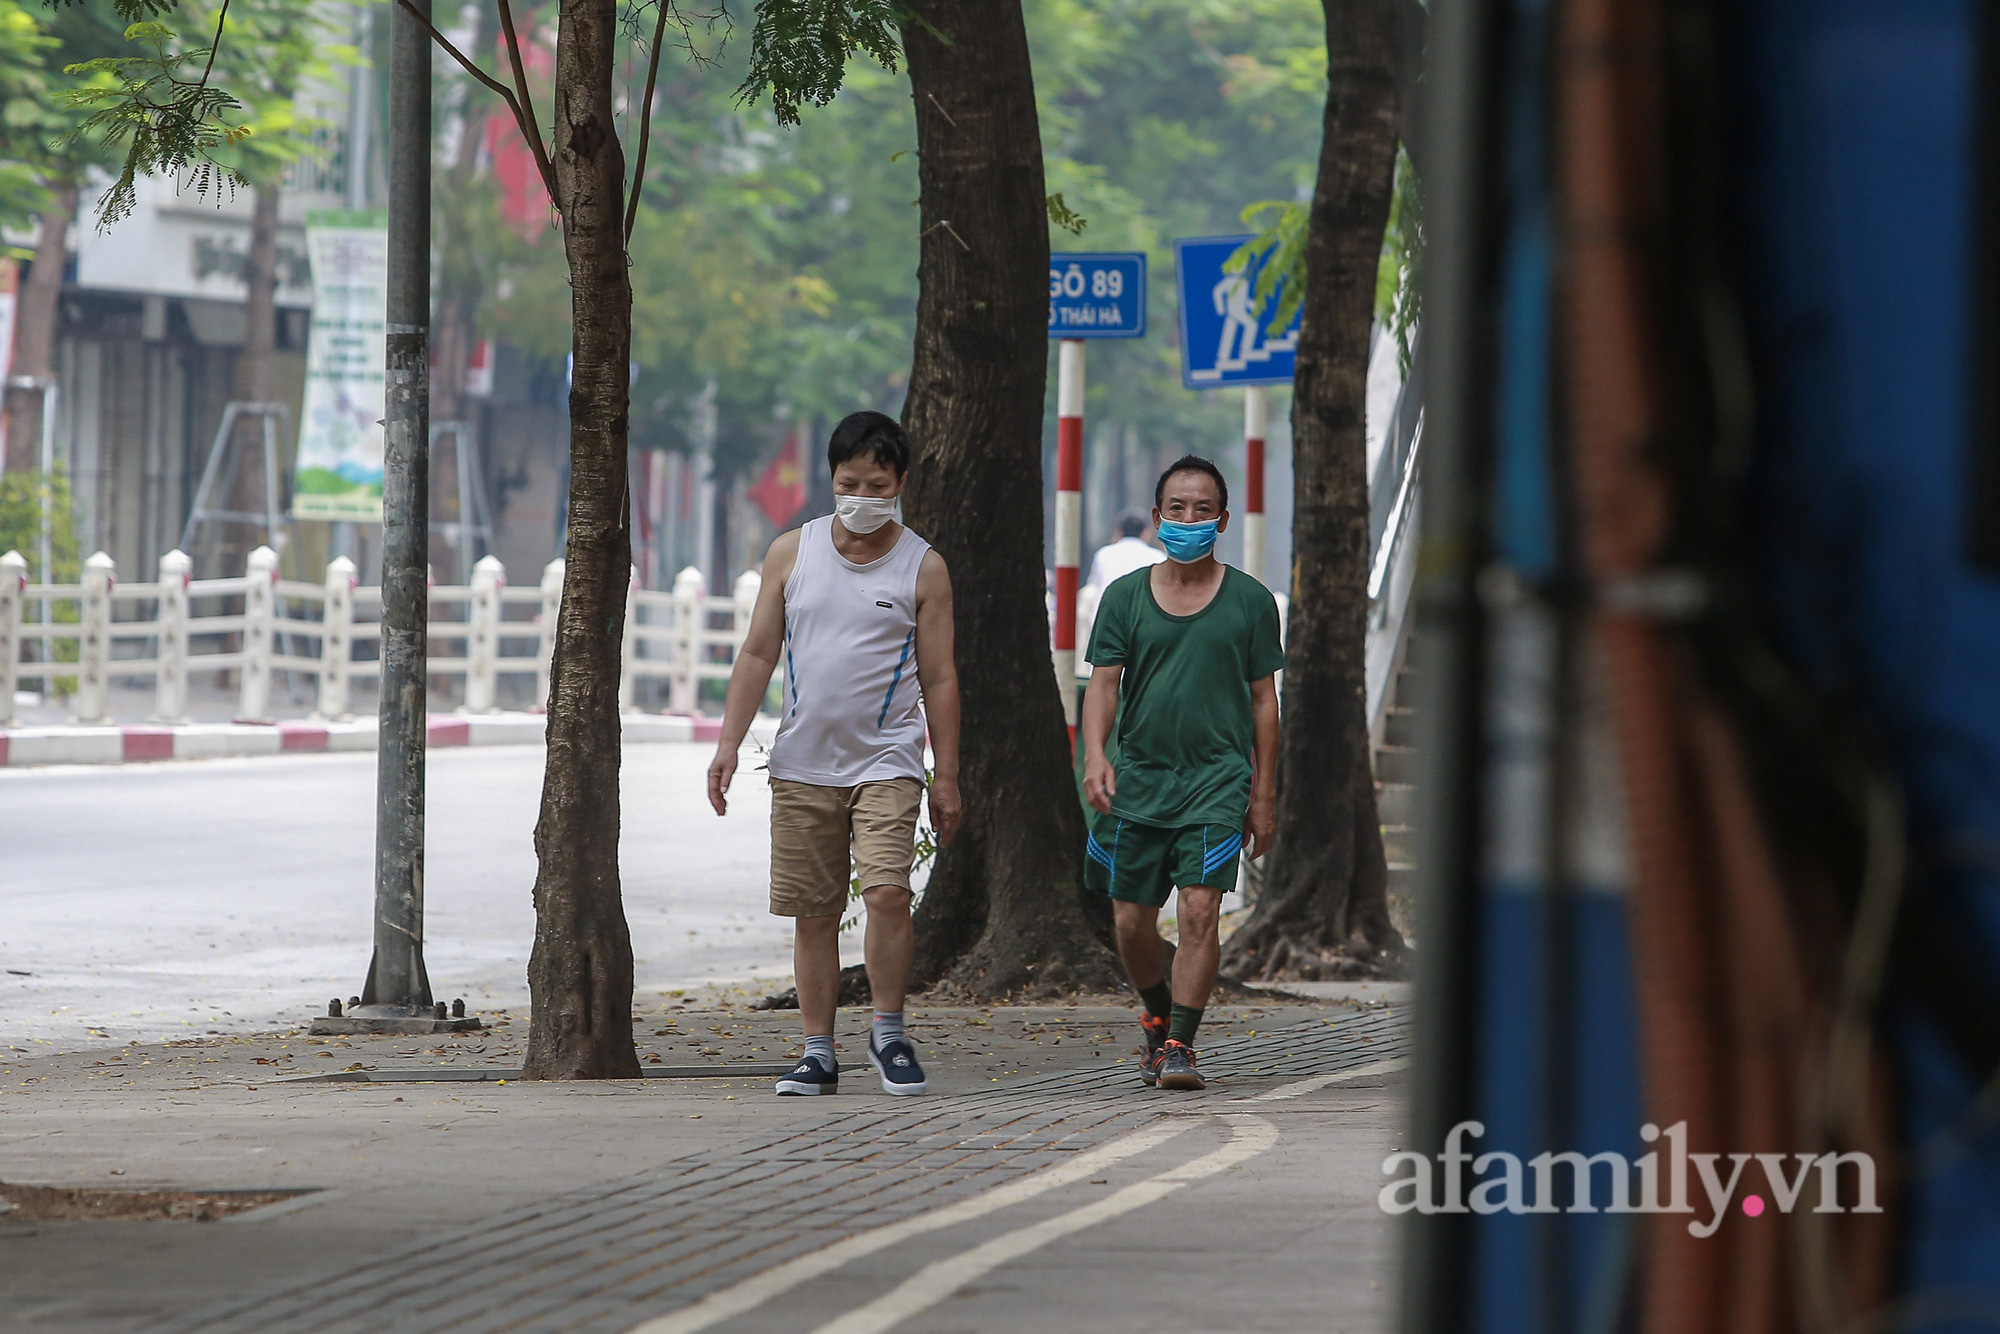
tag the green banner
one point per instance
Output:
(340, 435)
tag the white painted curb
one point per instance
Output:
(114, 744)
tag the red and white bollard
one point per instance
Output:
(1256, 411)
(1069, 516)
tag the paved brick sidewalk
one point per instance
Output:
(607, 1257)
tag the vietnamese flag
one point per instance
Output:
(781, 491)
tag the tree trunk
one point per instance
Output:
(260, 303)
(35, 330)
(1325, 897)
(1004, 911)
(580, 975)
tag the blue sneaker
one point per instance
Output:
(808, 1079)
(896, 1062)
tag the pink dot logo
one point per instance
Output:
(1753, 1205)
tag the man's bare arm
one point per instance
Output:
(937, 675)
(1100, 707)
(1264, 773)
(755, 662)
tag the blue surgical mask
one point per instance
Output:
(1187, 542)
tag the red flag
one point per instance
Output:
(781, 491)
(524, 200)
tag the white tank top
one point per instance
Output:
(850, 665)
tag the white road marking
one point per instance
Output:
(732, 1301)
(1284, 1091)
(934, 1282)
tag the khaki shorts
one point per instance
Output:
(812, 828)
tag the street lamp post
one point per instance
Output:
(397, 995)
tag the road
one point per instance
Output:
(163, 901)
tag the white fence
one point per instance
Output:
(259, 625)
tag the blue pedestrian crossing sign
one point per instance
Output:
(1223, 340)
(1097, 295)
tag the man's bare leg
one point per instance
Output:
(1198, 956)
(816, 966)
(1140, 947)
(890, 942)
(1195, 962)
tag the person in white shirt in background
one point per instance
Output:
(1130, 552)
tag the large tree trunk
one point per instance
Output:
(35, 330)
(260, 303)
(1004, 910)
(580, 975)
(1325, 889)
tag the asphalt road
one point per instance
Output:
(162, 901)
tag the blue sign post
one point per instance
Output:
(1097, 295)
(1223, 340)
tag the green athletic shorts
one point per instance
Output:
(1143, 863)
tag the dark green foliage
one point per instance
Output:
(130, 11)
(799, 49)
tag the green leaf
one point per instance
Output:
(1061, 215)
(1279, 248)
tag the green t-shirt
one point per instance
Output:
(1185, 734)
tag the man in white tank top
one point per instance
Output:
(858, 608)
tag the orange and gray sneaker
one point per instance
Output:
(1155, 1029)
(1176, 1068)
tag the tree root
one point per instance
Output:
(853, 991)
(1293, 959)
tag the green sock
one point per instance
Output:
(1186, 1019)
(1159, 999)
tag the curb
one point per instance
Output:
(112, 743)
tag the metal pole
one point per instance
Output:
(1256, 410)
(360, 109)
(1069, 516)
(396, 978)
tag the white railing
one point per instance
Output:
(258, 625)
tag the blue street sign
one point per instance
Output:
(1222, 336)
(1097, 296)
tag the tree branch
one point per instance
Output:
(215, 45)
(524, 119)
(525, 109)
(646, 122)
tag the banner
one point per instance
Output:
(339, 473)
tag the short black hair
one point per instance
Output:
(1131, 524)
(1191, 463)
(873, 434)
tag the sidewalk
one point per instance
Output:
(619, 1206)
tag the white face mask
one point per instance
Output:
(862, 515)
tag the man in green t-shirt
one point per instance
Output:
(1190, 648)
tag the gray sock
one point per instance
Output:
(821, 1049)
(888, 1028)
